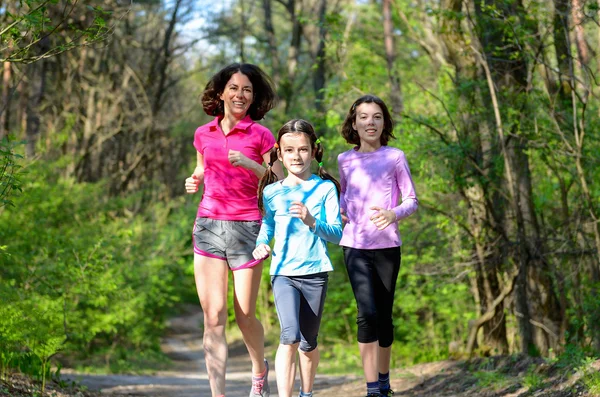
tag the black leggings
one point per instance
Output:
(373, 274)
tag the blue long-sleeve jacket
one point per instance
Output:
(300, 250)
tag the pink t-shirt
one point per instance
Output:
(230, 193)
(380, 178)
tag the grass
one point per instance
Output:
(532, 380)
(491, 379)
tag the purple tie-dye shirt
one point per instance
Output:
(379, 178)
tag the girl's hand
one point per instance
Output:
(299, 210)
(238, 159)
(382, 218)
(261, 252)
(192, 183)
(344, 216)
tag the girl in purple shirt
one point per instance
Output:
(377, 192)
(230, 152)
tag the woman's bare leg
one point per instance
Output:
(246, 283)
(211, 275)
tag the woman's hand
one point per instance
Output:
(299, 210)
(238, 159)
(261, 252)
(192, 183)
(382, 218)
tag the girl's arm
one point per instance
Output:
(409, 203)
(267, 228)
(330, 229)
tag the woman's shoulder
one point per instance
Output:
(258, 127)
(211, 125)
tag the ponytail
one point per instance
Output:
(268, 177)
(321, 171)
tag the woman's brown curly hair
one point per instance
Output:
(264, 100)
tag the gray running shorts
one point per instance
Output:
(231, 241)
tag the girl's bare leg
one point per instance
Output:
(309, 361)
(285, 367)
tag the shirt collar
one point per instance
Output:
(241, 126)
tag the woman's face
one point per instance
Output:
(237, 95)
(369, 124)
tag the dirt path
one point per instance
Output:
(506, 376)
(188, 377)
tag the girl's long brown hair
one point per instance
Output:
(351, 135)
(295, 125)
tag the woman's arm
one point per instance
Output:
(238, 159)
(192, 184)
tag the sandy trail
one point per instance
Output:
(188, 377)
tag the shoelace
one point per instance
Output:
(257, 385)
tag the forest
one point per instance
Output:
(496, 108)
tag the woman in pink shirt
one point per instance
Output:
(377, 192)
(230, 152)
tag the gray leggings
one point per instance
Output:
(299, 301)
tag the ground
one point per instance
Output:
(510, 376)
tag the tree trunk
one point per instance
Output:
(561, 45)
(287, 84)
(5, 100)
(319, 71)
(506, 69)
(165, 60)
(242, 35)
(483, 214)
(37, 86)
(582, 47)
(390, 56)
(272, 42)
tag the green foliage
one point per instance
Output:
(339, 357)
(35, 20)
(82, 276)
(491, 379)
(532, 380)
(591, 376)
(10, 182)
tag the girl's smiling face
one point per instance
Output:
(296, 154)
(369, 124)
